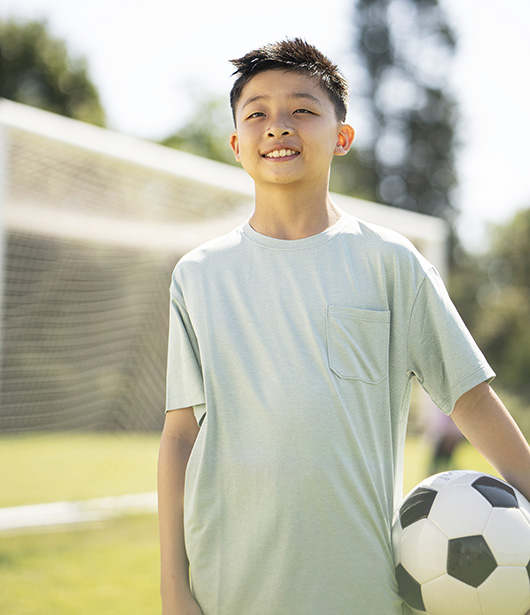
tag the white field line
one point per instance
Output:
(81, 511)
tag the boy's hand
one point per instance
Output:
(483, 419)
(178, 437)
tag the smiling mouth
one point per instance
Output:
(281, 153)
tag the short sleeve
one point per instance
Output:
(441, 352)
(184, 375)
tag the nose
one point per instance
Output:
(279, 128)
(277, 131)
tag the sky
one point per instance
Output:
(147, 60)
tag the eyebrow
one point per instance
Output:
(306, 95)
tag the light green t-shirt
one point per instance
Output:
(302, 353)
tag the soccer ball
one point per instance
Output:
(462, 546)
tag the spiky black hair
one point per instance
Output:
(296, 55)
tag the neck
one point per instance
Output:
(286, 214)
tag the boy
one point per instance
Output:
(293, 343)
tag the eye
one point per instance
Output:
(303, 111)
(256, 114)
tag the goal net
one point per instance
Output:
(94, 222)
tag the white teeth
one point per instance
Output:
(281, 153)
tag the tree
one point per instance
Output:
(206, 131)
(492, 292)
(35, 69)
(405, 46)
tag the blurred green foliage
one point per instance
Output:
(206, 133)
(404, 48)
(36, 70)
(492, 293)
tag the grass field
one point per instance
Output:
(109, 568)
(72, 466)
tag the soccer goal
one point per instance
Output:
(92, 223)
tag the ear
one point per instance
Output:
(234, 144)
(345, 140)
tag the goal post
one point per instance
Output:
(3, 184)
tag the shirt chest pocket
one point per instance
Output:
(358, 342)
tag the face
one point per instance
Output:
(287, 131)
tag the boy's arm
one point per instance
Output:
(483, 419)
(178, 436)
